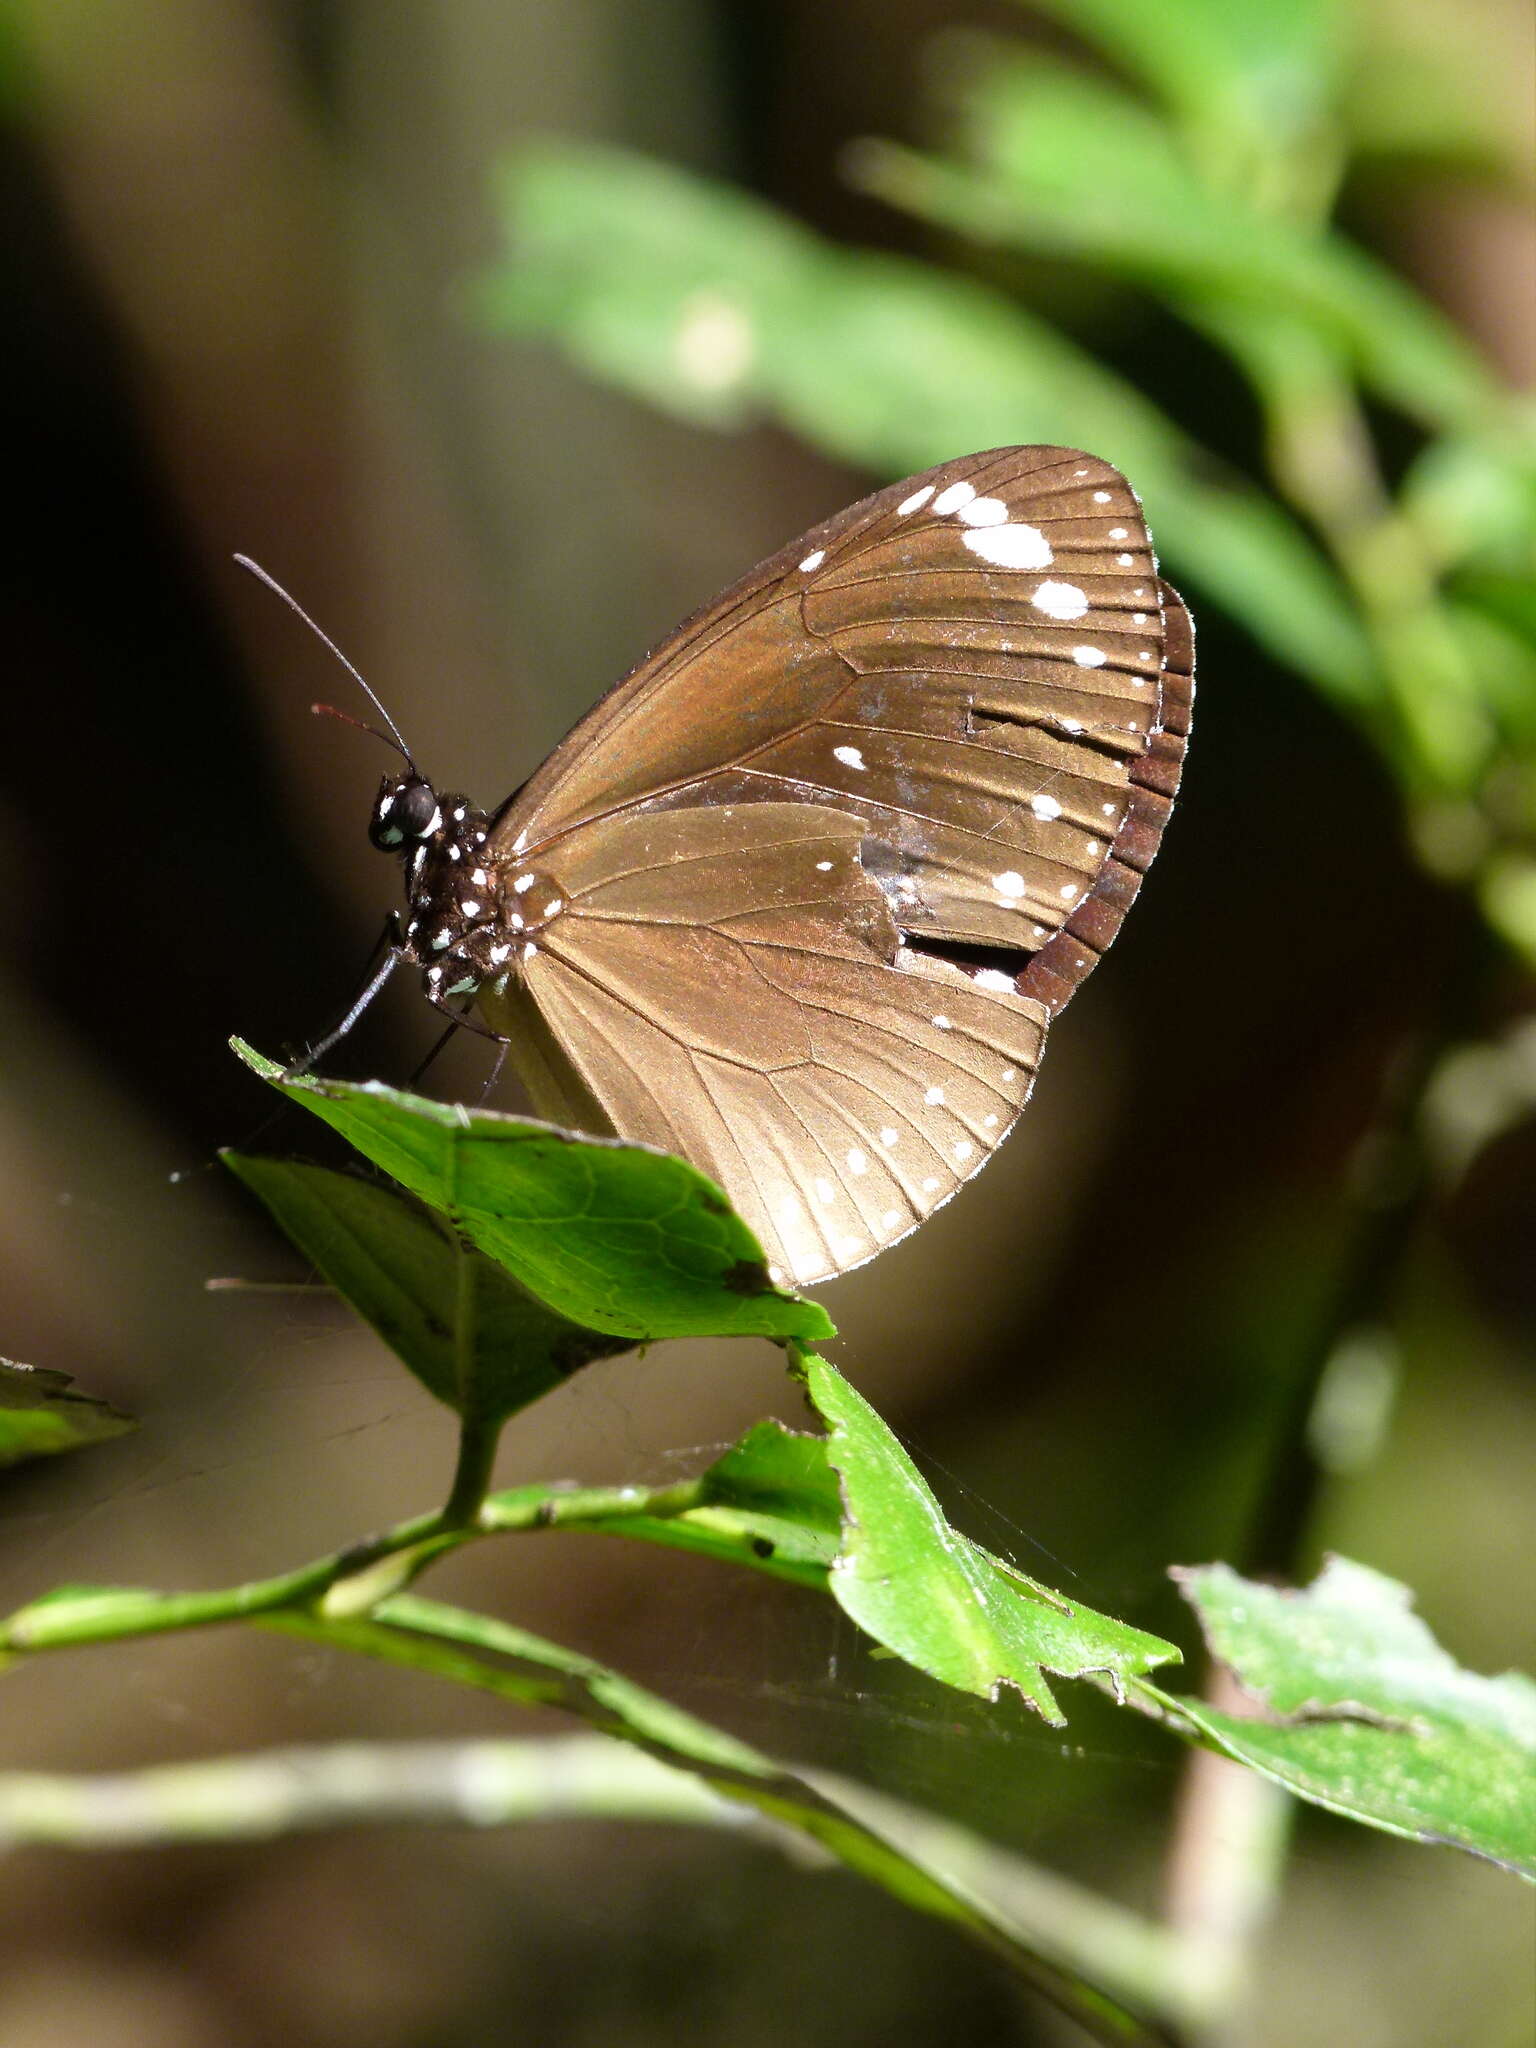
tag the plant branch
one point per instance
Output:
(1324, 463)
(349, 1580)
(350, 1784)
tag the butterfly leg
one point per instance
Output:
(359, 1003)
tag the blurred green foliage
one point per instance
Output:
(42, 1413)
(1192, 158)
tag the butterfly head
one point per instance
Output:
(406, 813)
(463, 926)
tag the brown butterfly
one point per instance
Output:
(800, 896)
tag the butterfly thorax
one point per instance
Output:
(471, 920)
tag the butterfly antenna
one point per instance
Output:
(358, 725)
(397, 738)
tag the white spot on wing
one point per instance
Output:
(984, 512)
(915, 502)
(1101, 497)
(1089, 657)
(890, 1219)
(858, 1162)
(1015, 546)
(850, 757)
(994, 978)
(1008, 883)
(963, 1148)
(849, 1247)
(930, 1184)
(824, 1191)
(814, 559)
(888, 1137)
(1045, 806)
(823, 867)
(934, 1097)
(954, 496)
(1060, 601)
(942, 1024)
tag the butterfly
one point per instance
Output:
(800, 896)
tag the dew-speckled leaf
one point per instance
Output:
(718, 308)
(470, 1333)
(936, 1599)
(616, 1236)
(1366, 1714)
(42, 1414)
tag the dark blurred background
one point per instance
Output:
(243, 244)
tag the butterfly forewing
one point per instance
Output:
(832, 855)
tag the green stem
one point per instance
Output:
(478, 1439)
(72, 1620)
(479, 1432)
(357, 1784)
(476, 1650)
(1324, 462)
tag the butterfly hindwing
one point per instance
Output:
(729, 983)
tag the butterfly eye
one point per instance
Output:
(405, 810)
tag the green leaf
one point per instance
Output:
(1265, 73)
(939, 1601)
(1366, 1714)
(40, 1415)
(722, 311)
(614, 1236)
(770, 1503)
(1033, 145)
(1507, 894)
(475, 1338)
(1473, 497)
(782, 1475)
